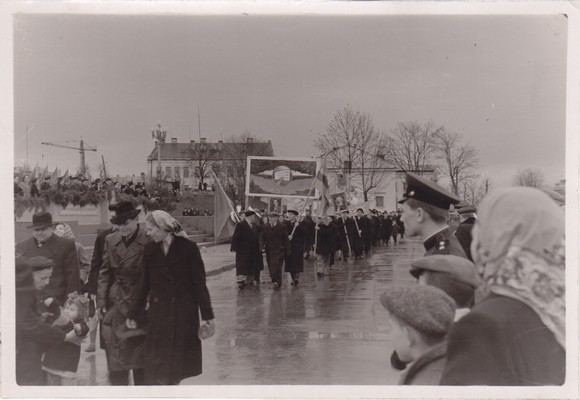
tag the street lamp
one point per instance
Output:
(160, 135)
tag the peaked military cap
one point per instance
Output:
(292, 212)
(429, 192)
(464, 207)
(461, 269)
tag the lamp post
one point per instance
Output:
(160, 135)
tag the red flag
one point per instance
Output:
(224, 207)
(321, 183)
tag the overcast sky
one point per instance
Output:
(498, 80)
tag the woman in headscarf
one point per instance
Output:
(516, 335)
(174, 281)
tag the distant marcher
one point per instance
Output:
(297, 236)
(173, 280)
(515, 336)
(357, 238)
(277, 247)
(246, 246)
(65, 277)
(420, 318)
(121, 270)
(326, 245)
(468, 217)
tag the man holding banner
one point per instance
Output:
(297, 237)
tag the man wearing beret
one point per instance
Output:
(120, 272)
(467, 221)
(245, 244)
(425, 210)
(277, 247)
(420, 318)
(65, 277)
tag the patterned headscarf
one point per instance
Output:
(68, 233)
(518, 247)
(169, 224)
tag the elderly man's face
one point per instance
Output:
(42, 234)
(128, 227)
(41, 278)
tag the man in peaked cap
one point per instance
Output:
(277, 247)
(65, 277)
(296, 237)
(425, 210)
(468, 217)
(118, 275)
(420, 317)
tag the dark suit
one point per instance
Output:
(295, 260)
(175, 284)
(65, 277)
(245, 244)
(277, 248)
(502, 341)
(121, 270)
(463, 235)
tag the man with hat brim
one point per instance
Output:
(277, 247)
(357, 239)
(425, 211)
(420, 318)
(456, 276)
(65, 277)
(294, 263)
(467, 217)
(246, 246)
(120, 272)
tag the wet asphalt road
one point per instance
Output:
(326, 331)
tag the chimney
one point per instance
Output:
(202, 140)
(173, 140)
(192, 141)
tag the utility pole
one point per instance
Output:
(160, 135)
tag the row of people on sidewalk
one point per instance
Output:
(288, 239)
(499, 320)
(145, 286)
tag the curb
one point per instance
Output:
(219, 270)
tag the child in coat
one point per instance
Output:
(61, 362)
(420, 317)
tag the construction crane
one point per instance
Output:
(82, 148)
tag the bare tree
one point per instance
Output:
(457, 162)
(529, 177)
(475, 188)
(236, 154)
(354, 144)
(201, 160)
(410, 145)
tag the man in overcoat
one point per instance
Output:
(277, 247)
(121, 270)
(468, 217)
(65, 277)
(297, 238)
(245, 245)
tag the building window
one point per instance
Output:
(168, 171)
(186, 172)
(176, 172)
(379, 201)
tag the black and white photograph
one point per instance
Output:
(290, 199)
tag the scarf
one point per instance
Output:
(518, 247)
(168, 223)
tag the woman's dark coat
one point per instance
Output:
(177, 294)
(500, 342)
(245, 244)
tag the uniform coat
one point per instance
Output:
(245, 244)
(175, 284)
(65, 277)
(121, 270)
(277, 248)
(463, 235)
(443, 242)
(295, 260)
(502, 341)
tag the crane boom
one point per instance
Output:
(81, 150)
(69, 147)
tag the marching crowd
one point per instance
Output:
(487, 307)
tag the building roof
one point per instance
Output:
(213, 151)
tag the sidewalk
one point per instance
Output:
(218, 259)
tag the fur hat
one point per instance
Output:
(425, 308)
